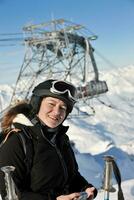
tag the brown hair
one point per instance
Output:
(21, 107)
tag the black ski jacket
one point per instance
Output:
(54, 169)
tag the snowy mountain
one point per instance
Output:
(109, 130)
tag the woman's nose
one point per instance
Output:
(56, 110)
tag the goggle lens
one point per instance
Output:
(61, 87)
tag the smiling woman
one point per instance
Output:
(54, 172)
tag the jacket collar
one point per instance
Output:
(24, 121)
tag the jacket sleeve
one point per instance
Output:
(11, 153)
(78, 183)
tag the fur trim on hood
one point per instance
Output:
(22, 119)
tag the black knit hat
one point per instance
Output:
(54, 88)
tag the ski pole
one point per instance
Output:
(107, 176)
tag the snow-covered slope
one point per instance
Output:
(110, 131)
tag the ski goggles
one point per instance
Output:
(63, 87)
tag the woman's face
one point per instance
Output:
(52, 111)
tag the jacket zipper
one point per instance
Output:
(60, 157)
(62, 163)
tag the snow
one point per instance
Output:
(107, 130)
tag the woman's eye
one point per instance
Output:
(51, 104)
(64, 108)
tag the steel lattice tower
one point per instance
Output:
(57, 49)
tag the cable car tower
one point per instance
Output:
(58, 49)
